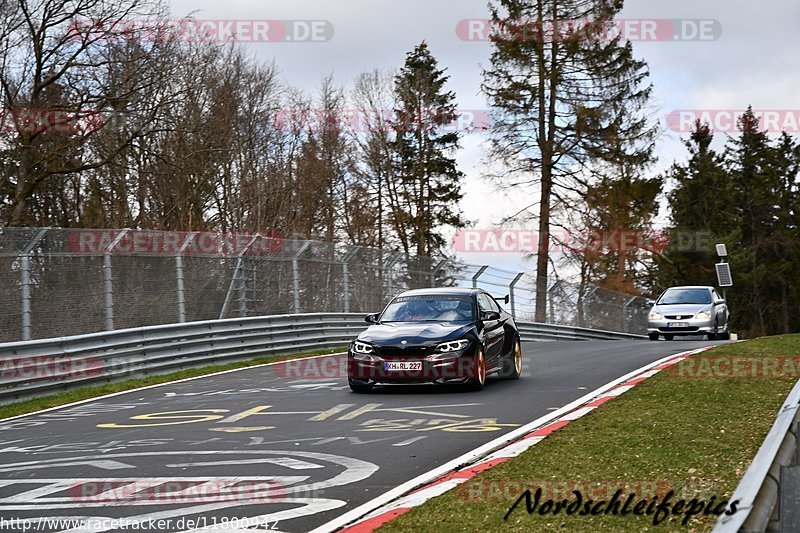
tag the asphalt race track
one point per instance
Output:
(287, 446)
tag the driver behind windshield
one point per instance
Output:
(416, 310)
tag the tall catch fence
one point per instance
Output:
(60, 282)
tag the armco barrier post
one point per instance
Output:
(108, 280)
(25, 283)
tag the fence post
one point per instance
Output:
(437, 269)
(243, 276)
(587, 298)
(296, 275)
(625, 320)
(346, 278)
(389, 266)
(550, 292)
(511, 294)
(108, 280)
(25, 281)
(179, 276)
(475, 277)
(238, 283)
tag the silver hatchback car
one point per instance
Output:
(692, 310)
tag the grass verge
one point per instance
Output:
(85, 393)
(692, 429)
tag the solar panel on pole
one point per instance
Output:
(724, 278)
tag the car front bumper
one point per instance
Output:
(457, 367)
(694, 326)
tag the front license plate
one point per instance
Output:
(677, 324)
(403, 365)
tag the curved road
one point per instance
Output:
(287, 446)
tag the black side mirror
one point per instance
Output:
(507, 299)
(651, 302)
(490, 315)
(371, 319)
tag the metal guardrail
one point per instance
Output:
(35, 368)
(760, 489)
(537, 332)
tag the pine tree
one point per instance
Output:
(758, 258)
(427, 185)
(704, 211)
(567, 99)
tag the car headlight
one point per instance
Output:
(655, 315)
(452, 346)
(362, 347)
(703, 314)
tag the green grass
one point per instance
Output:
(695, 436)
(84, 393)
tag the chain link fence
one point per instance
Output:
(60, 282)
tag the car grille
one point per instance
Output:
(408, 352)
(691, 328)
(679, 317)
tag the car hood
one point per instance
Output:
(414, 333)
(688, 310)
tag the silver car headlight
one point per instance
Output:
(703, 314)
(362, 347)
(452, 346)
(655, 315)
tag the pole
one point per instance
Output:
(296, 275)
(511, 294)
(346, 278)
(179, 279)
(108, 280)
(475, 277)
(25, 282)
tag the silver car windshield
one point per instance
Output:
(429, 309)
(685, 296)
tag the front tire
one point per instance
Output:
(653, 336)
(512, 363)
(669, 336)
(478, 371)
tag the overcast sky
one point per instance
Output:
(752, 61)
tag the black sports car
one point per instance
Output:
(436, 335)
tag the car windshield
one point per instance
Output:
(431, 308)
(685, 296)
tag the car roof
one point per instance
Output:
(465, 291)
